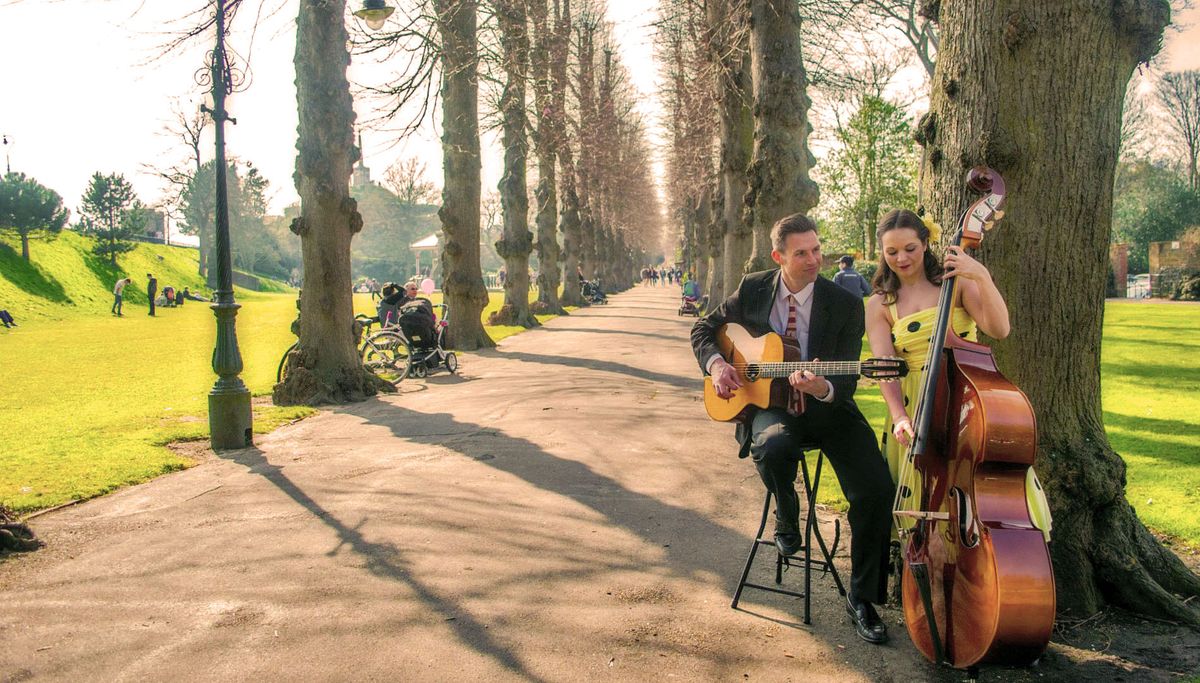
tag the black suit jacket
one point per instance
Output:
(835, 332)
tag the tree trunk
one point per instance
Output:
(714, 243)
(325, 367)
(585, 87)
(517, 242)
(545, 146)
(572, 231)
(465, 294)
(610, 253)
(695, 232)
(25, 246)
(734, 83)
(202, 260)
(1049, 256)
(569, 224)
(779, 182)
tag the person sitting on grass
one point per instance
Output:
(187, 294)
(7, 319)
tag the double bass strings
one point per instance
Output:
(907, 479)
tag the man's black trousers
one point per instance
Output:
(849, 444)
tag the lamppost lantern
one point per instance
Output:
(375, 13)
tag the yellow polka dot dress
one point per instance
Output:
(910, 336)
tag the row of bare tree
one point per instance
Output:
(558, 84)
(594, 185)
(1008, 92)
(739, 59)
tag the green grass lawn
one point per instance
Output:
(1150, 385)
(102, 395)
(1151, 400)
(90, 400)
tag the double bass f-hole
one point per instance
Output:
(967, 528)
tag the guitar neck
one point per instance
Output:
(822, 368)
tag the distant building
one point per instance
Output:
(360, 177)
(1171, 262)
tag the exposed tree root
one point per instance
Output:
(16, 536)
(508, 315)
(543, 308)
(302, 386)
(1137, 572)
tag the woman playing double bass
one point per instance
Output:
(900, 320)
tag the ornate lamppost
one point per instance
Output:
(229, 416)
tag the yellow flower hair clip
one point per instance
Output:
(935, 230)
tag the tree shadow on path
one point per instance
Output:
(589, 330)
(689, 383)
(704, 551)
(383, 560)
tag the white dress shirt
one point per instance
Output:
(779, 313)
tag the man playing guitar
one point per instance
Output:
(826, 322)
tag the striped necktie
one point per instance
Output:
(790, 330)
(795, 404)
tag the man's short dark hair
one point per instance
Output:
(788, 225)
(847, 259)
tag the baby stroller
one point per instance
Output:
(692, 303)
(592, 293)
(426, 334)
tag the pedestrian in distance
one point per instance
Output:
(849, 278)
(118, 295)
(151, 290)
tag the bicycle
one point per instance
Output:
(386, 353)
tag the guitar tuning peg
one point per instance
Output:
(988, 225)
(998, 215)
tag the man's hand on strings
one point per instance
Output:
(805, 381)
(725, 378)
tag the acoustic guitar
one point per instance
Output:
(761, 361)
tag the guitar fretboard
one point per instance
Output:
(775, 370)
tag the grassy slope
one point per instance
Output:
(63, 280)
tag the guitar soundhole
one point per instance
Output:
(752, 372)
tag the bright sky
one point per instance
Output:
(82, 92)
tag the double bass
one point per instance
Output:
(977, 583)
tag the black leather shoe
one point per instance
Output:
(787, 544)
(867, 622)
